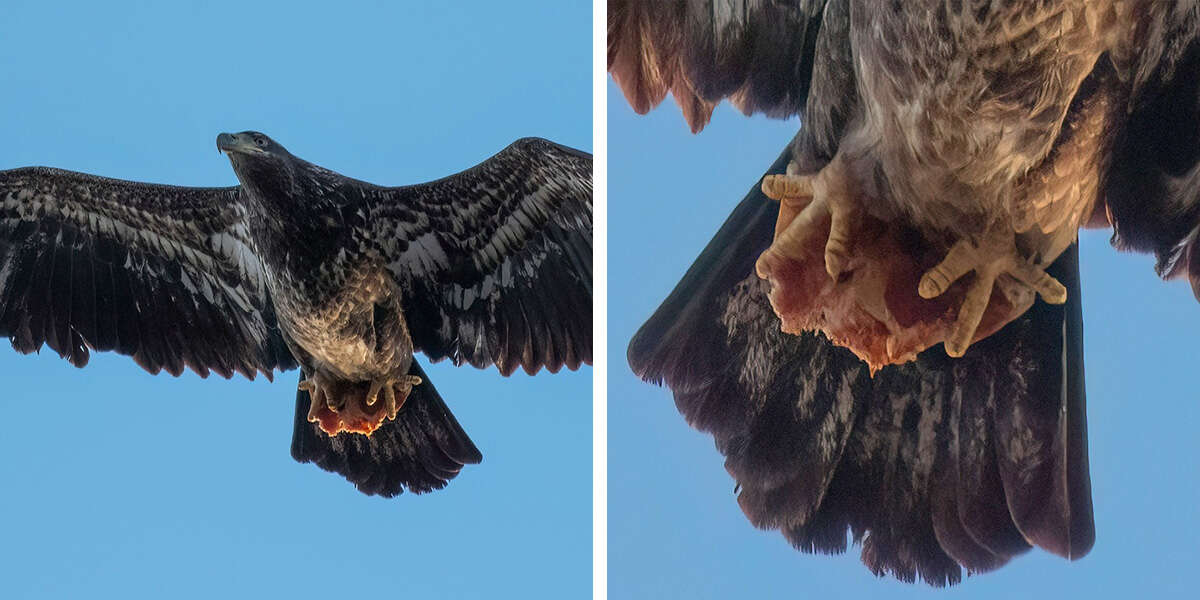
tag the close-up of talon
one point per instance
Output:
(779, 187)
(813, 205)
(358, 408)
(318, 390)
(993, 255)
(399, 392)
(334, 402)
(1049, 288)
(373, 392)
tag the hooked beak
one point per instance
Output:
(232, 142)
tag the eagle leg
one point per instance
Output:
(809, 204)
(993, 255)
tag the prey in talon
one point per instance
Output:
(994, 255)
(886, 282)
(356, 408)
(301, 267)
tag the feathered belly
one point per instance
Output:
(355, 334)
(890, 266)
(963, 104)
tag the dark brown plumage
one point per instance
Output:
(953, 119)
(301, 266)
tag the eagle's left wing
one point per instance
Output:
(161, 273)
(495, 262)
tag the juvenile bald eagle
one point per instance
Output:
(301, 266)
(948, 153)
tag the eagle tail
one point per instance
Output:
(421, 450)
(681, 344)
(932, 466)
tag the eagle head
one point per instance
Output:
(262, 165)
(249, 143)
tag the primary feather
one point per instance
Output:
(301, 266)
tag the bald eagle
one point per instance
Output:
(301, 266)
(885, 337)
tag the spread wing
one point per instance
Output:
(159, 273)
(759, 54)
(495, 263)
(932, 466)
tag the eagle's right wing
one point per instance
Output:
(759, 54)
(160, 273)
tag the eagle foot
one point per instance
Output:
(338, 406)
(810, 207)
(880, 310)
(395, 391)
(321, 393)
(989, 257)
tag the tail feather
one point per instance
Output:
(680, 344)
(932, 466)
(421, 451)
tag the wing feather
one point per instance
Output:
(1152, 186)
(758, 54)
(158, 273)
(495, 262)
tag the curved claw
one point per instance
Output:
(971, 313)
(402, 388)
(317, 394)
(842, 222)
(994, 255)
(789, 244)
(373, 393)
(334, 403)
(391, 392)
(805, 202)
(389, 401)
(787, 187)
(1051, 291)
(960, 260)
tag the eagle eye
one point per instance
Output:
(260, 141)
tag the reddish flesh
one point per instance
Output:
(886, 264)
(353, 417)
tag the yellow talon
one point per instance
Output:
(995, 254)
(806, 201)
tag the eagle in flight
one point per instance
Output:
(302, 266)
(885, 337)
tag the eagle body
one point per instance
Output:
(959, 102)
(337, 306)
(949, 124)
(299, 266)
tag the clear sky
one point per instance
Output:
(675, 529)
(114, 483)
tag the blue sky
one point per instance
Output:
(675, 529)
(120, 484)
